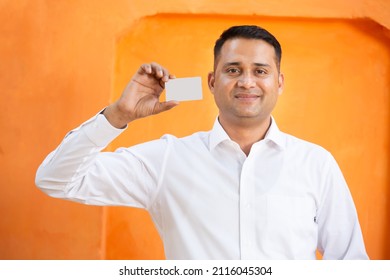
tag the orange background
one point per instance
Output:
(62, 61)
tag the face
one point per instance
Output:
(246, 81)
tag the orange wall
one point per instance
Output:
(61, 62)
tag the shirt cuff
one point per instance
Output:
(100, 131)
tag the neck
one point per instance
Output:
(245, 133)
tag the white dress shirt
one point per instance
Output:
(209, 200)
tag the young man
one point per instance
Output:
(244, 190)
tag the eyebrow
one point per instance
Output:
(238, 64)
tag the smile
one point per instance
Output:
(246, 96)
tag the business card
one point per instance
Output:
(184, 89)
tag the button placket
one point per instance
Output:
(246, 210)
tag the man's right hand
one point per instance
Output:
(141, 96)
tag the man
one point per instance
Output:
(244, 190)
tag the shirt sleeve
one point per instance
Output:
(340, 235)
(78, 170)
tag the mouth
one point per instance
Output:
(246, 96)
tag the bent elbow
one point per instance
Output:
(47, 184)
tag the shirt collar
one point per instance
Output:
(219, 135)
(275, 135)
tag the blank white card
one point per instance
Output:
(184, 89)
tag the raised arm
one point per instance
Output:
(79, 171)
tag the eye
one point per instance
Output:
(261, 72)
(233, 70)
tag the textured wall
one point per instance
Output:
(61, 62)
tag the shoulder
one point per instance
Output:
(166, 142)
(312, 159)
(304, 149)
(293, 142)
(195, 140)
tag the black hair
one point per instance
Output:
(248, 32)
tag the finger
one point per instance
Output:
(166, 75)
(164, 106)
(166, 78)
(161, 72)
(145, 68)
(157, 70)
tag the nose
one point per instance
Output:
(246, 81)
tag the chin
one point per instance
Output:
(249, 115)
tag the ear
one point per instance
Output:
(211, 80)
(281, 83)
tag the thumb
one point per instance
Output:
(165, 106)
